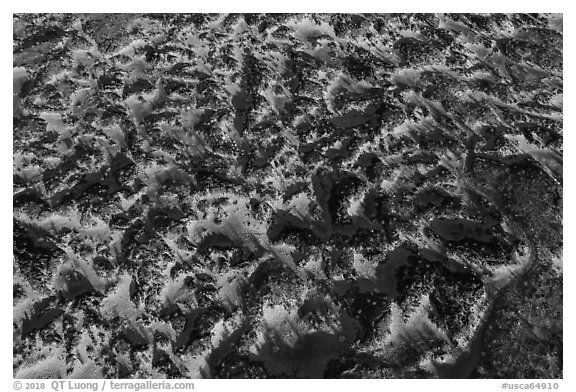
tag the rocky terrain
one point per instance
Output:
(287, 196)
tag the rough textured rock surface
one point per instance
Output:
(278, 196)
